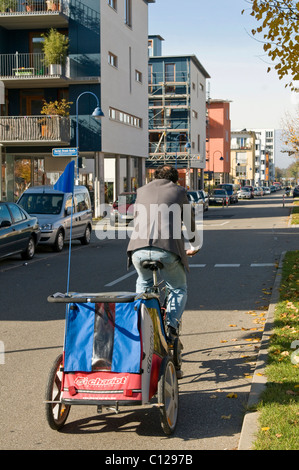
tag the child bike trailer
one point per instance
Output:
(115, 354)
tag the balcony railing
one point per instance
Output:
(15, 130)
(13, 7)
(23, 65)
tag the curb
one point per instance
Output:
(259, 381)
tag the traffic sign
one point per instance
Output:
(65, 152)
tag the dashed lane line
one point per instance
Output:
(230, 265)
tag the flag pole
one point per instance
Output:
(65, 183)
(70, 248)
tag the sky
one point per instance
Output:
(220, 37)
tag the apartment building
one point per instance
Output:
(177, 113)
(105, 66)
(267, 148)
(218, 141)
(243, 144)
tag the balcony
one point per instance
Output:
(32, 130)
(26, 70)
(33, 14)
(22, 70)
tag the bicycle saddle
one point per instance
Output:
(152, 265)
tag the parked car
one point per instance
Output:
(258, 191)
(219, 196)
(123, 208)
(229, 188)
(19, 232)
(251, 188)
(53, 209)
(266, 190)
(196, 201)
(245, 193)
(205, 197)
(296, 191)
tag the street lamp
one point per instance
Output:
(220, 158)
(97, 114)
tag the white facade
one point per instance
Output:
(197, 117)
(124, 79)
(124, 98)
(266, 150)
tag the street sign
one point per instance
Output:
(65, 152)
(195, 161)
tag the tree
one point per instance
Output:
(279, 25)
(290, 134)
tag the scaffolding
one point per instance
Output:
(169, 118)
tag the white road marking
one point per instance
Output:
(234, 265)
(261, 265)
(226, 265)
(120, 279)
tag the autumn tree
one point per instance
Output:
(290, 134)
(279, 28)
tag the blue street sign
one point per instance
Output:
(65, 152)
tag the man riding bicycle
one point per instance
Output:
(160, 208)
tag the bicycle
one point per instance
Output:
(176, 345)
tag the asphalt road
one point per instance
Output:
(229, 284)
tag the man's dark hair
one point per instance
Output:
(167, 172)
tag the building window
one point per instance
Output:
(138, 76)
(112, 59)
(113, 4)
(125, 118)
(150, 48)
(169, 77)
(128, 12)
(194, 114)
(169, 72)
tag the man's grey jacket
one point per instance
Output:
(160, 208)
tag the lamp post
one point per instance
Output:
(97, 114)
(220, 158)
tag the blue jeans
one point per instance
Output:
(173, 274)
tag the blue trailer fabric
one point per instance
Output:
(127, 347)
(79, 338)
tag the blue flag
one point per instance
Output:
(65, 182)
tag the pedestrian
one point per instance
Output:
(160, 208)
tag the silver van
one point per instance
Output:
(53, 210)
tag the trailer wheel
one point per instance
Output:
(168, 397)
(56, 413)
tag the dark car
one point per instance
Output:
(19, 232)
(229, 188)
(123, 208)
(296, 191)
(219, 196)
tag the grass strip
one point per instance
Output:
(279, 404)
(295, 212)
